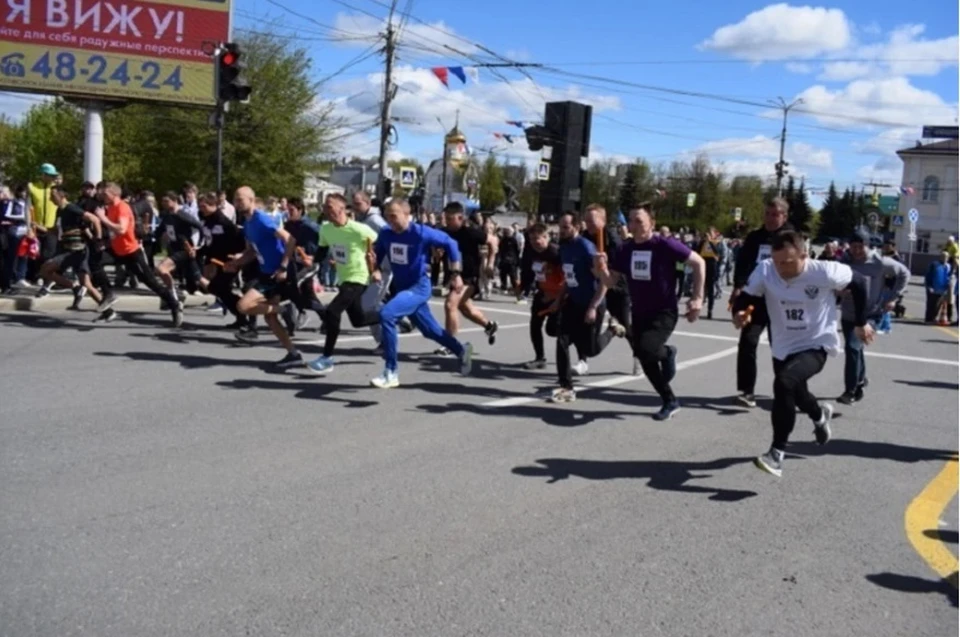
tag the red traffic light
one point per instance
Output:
(228, 58)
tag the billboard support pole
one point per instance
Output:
(93, 142)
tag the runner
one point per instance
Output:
(582, 307)
(541, 266)
(803, 323)
(648, 264)
(875, 269)
(756, 248)
(273, 248)
(408, 247)
(127, 252)
(182, 231)
(348, 241)
(73, 249)
(469, 240)
(226, 240)
(307, 235)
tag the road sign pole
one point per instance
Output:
(93, 142)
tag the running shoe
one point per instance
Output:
(491, 331)
(821, 429)
(466, 360)
(387, 380)
(771, 462)
(292, 359)
(321, 365)
(563, 395)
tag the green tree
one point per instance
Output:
(491, 184)
(50, 132)
(630, 189)
(800, 211)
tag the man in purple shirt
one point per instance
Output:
(649, 266)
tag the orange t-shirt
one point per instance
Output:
(126, 243)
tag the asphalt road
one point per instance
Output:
(166, 483)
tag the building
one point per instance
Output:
(354, 177)
(462, 173)
(316, 189)
(930, 182)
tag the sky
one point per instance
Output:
(666, 81)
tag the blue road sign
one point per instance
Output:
(914, 215)
(898, 220)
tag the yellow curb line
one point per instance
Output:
(924, 513)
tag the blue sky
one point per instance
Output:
(871, 74)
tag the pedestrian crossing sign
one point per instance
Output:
(543, 172)
(898, 220)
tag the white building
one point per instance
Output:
(931, 171)
(316, 189)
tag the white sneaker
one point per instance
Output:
(563, 395)
(22, 283)
(637, 369)
(581, 368)
(386, 380)
(466, 361)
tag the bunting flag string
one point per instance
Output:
(518, 124)
(462, 73)
(509, 138)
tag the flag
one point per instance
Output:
(515, 123)
(441, 73)
(509, 138)
(907, 190)
(498, 135)
(458, 71)
(473, 73)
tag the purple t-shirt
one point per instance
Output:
(650, 269)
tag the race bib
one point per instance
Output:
(795, 316)
(763, 252)
(171, 233)
(538, 273)
(570, 275)
(398, 254)
(216, 230)
(340, 254)
(640, 265)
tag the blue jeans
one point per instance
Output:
(412, 302)
(855, 364)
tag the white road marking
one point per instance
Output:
(610, 382)
(413, 334)
(913, 359)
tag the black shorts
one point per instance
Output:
(271, 289)
(187, 265)
(474, 283)
(75, 260)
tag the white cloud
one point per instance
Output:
(757, 156)
(883, 102)
(885, 170)
(430, 40)
(888, 141)
(783, 32)
(799, 68)
(903, 53)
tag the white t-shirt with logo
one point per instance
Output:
(803, 310)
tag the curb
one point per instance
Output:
(125, 303)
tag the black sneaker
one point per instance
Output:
(669, 364)
(443, 351)
(108, 302)
(491, 332)
(535, 364)
(247, 334)
(176, 313)
(78, 293)
(405, 325)
(771, 462)
(42, 292)
(292, 359)
(106, 317)
(848, 398)
(821, 429)
(858, 395)
(667, 411)
(747, 400)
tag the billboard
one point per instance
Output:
(138, 50)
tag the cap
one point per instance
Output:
(87, 184)
(49, 170)
(860, 236)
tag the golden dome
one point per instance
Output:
(455, 136)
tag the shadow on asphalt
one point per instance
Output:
(484, 369)
(309, 390)
(651, 401)
(45, 321)
(193, 361)
(662, 475)
(556, 417)
(943, 536)
(910, 584)
(940, 341)
(929, 384)
(872, 450)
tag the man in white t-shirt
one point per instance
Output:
(801, 302)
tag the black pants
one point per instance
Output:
(347, 300)
(136, 263)
(933, 308)
(221, 285)
(650, 336)
(681, 279)
(539, 304)
(710, 284)
(589, 338)
(747, 349)
(618, 306)
(508, 277)
(790, 392)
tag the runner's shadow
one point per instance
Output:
(486, 370)
(311, 391)
(652, 401)
(943, 536)
(190, 337)
(662, 475)
(872, 450)
(556, 417)
(461, 390)
(192, 361)
(929, 384)
(46, 322)
(910, 584)
(940, 341)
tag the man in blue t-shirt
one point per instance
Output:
(582, 307)
(273, 249)
(408, 247)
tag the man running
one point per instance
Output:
(582, 308)
(348, 242)
(875, 270)
(74, 223)
(801, 296)
(307, 235)
(469, 240)
(226, 240)
(182, 231)
(272, 248)
(756, 248)
(541, 266)
(408, 246)
(127, 252)
(648, 264)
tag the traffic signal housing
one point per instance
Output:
(231, 85)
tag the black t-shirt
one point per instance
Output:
(226, 237)
(89, 204)
(178, 227)
(469, 239)
(71, 227)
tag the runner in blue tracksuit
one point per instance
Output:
(408, 247)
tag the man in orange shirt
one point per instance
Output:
(127, 251)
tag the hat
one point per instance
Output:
(860, 236)
(87, 184)
(49, 170)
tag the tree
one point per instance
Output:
(50, 132)
(630, 188)
(830, 223)
(491, 184)
(800, 211)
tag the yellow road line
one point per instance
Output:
(924, 513)
(949, 331)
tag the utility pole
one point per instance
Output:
(443, 187)
(781, 165)
(388, 92)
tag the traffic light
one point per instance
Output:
(231, 85)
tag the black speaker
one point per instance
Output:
(567, 127)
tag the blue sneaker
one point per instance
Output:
(321, 365)
(669, 364)
(667, 411)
